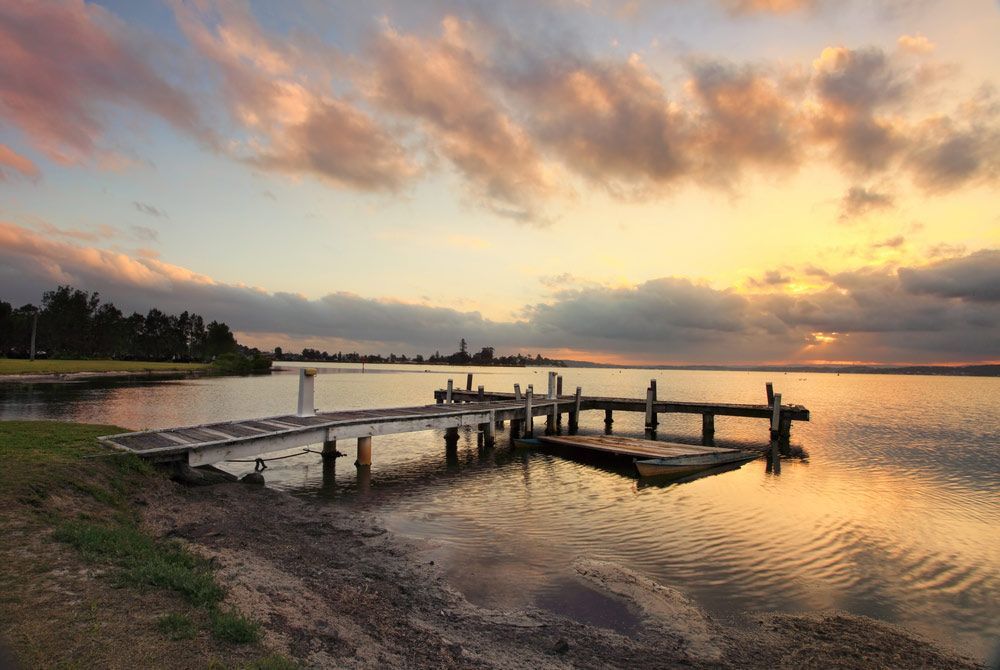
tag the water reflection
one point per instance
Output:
(896, 514)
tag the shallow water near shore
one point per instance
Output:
(894, 515)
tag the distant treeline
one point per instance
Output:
(77, 324)
(485, 356)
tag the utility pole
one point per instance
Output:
(34, 331)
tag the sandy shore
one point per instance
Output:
(334, 589)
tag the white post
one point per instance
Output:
(517, 391)
(307, 403)
(451, 386)
(552, 385)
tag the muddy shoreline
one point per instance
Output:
(67, 377)
(333, 588)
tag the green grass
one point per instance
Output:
(143, 561)
(233, 627)
(177, 626)
(12, 366)
(43, 461)
(273, 663)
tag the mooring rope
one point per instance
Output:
(261, 463)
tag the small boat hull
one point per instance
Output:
(686, 465)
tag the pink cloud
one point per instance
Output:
(63, 63)
(443, 83)
(10, 160)
(280, 98)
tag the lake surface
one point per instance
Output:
(895, 513)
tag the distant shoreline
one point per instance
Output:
(915, 370)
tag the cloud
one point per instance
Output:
(915, 44)
(744, 117)
(859, 201)
(11, 161)
(891, 242)
(280, 99)
(144, 234)
(767, 6)
(443, 84)
(944, 311)
(608, 121)
(770, 278)
(974, 278)
(151, 210)
(63, 64)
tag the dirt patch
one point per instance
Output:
(333, 589)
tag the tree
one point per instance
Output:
(463, 347)
(278, 353)
(219, 340)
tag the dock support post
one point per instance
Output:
(468, 382)
(775, 427)
(608, 421)
(482, 394)
(515, 429)
(330, 449)
(552, 386)
(490, 437)
(517, 392)
(784, 432)
(364, 451)
(707, 425)
(574, 415)
(550, 419)
(650, 425)
(448, 394)
(307, 404)
(769, 387)
(529, 418)
(558, 395)
(451, 440)
(656, 421)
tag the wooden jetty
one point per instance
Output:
(232, 440)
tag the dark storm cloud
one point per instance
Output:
(975, 277)
(948, 310)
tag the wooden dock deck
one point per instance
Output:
(250, 438)
(214, 442)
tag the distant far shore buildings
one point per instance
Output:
(484, 357)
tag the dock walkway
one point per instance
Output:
(486, 411)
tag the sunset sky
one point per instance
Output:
(678, 181)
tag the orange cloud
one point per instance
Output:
(11, 160)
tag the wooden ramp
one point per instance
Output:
(631, 446)
(214, 442)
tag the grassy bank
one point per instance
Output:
(11, 366)
(83, 583)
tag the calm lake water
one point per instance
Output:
(895, 514)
